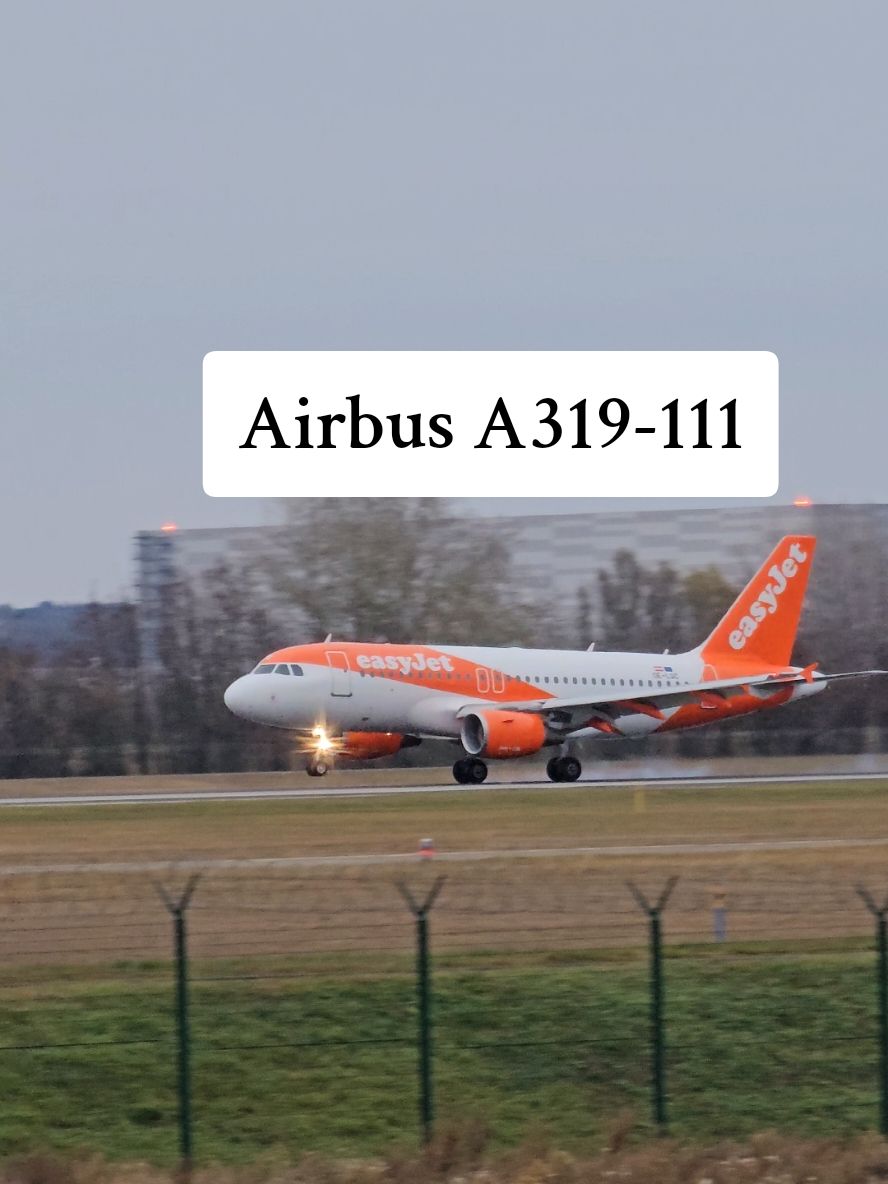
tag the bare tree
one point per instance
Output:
(652, 608)
(641, 608)
(394, 569)
(708, 596)
(214, 630)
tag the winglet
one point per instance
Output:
(762, 622)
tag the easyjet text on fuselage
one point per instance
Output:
(416, 663)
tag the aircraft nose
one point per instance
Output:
(237, 696)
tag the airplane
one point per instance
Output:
(365, 700)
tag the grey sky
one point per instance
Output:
(186, 177)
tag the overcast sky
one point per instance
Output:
(186, 177)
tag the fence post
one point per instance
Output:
(424, 1004)
(178, 910)
(882, 997)
(658, 1039)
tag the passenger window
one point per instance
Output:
(546, 678)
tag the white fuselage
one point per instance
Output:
(423, 689)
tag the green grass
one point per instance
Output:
(492, 816)
(326, 1061)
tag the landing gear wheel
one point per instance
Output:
(477, 771)
(469, 771)
(317, 767)
(570, 768)
(564, 768)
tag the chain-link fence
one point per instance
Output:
(168, 1014)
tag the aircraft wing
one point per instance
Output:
(848, 674)
(628, 701)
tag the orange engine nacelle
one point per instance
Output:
(364, 746)
(502, 733)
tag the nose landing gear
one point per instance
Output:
(469, 771)
(320, 749)
(564, 768)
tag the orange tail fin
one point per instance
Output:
(761, 624)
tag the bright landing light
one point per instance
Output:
(320, 741)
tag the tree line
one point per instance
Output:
(129, 695)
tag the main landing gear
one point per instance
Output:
(469, 770)
(564, 768)
(317, 766)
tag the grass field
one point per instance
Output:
(303, 1011)
(328, 1063)
(501, 817)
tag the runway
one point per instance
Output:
(184, 797)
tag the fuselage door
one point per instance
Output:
(340, 672)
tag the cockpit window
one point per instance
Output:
(294, 669)
(282, 668)
(264, 668)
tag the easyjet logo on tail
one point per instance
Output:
(768, 599)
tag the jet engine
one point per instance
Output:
(365, 746)
(502, 733)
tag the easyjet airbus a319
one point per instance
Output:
(360, 700)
